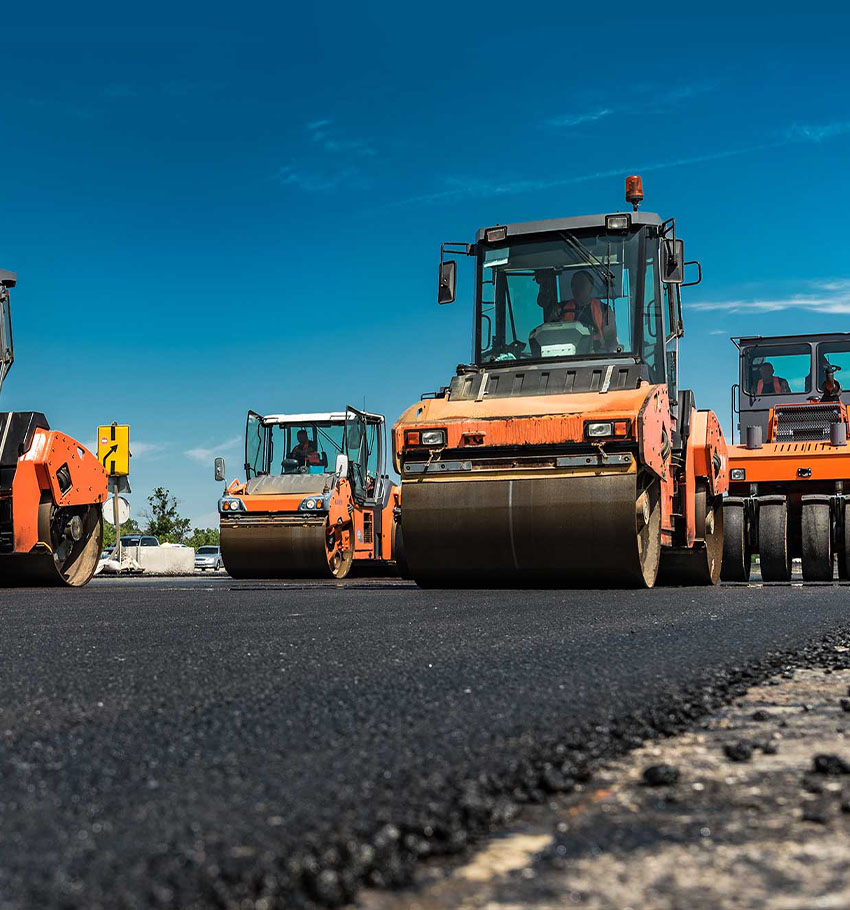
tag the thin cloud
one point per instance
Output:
(829, 297)
(465, 187)
(139, 448)
(314, 182)
(321, 132)
(802, 132)
(205, 455)
(651, 100)
(579, 119)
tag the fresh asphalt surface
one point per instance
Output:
(196, 742)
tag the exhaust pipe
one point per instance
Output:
(754, 437)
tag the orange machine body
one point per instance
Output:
(316, 500)
(54, 467)
(543, 423)
(344, 517)
(789, 476)
(565, 452)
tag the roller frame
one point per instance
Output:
(34, 488)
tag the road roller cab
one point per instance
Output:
(316, 498)
(565, 453)
(51, 491)
(790, 470)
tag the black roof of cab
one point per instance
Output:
(566, 224)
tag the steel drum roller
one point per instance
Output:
(596, 529)
(274, 547)
(70, 564)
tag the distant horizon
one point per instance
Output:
(226, 213)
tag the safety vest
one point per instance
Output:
(311, 456)
(570, 309)
(776, 387)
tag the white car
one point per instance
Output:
(208, 558)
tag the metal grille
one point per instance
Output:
(368, 527)
(7, 528)
(805, 422)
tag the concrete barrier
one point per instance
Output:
(164, 560)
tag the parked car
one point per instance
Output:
(208, 558)
(136, 540)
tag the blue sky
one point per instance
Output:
(243, 206)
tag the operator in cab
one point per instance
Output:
(305, 452)
(581, 307)
(768, 383)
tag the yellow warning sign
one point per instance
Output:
(113, 449)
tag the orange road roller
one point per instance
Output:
(565, 454)
(790, 472)
(316, 499)
(51, 491)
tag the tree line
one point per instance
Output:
(162, 519)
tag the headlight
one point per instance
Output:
(312, 504)
(433, 437)
(619, 222)
(231, 504)
(595, 430)
(602, 429)
(738, 474)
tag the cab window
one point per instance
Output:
(836, 353)
(777, 369)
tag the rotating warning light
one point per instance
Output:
(634, 191)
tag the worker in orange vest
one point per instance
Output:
(769, 384)
(582, 307)
(305, 452)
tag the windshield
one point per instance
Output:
(207, 551)
(304, 448)
(571, 296)
(777, 369)
(836, 353)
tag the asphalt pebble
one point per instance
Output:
(739, 751)
(830, 764)
(761, 715)
(660, 775)
(817, 813)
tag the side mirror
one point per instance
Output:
(673, 261)
(341, 467)
(448, 281)
(219, 469)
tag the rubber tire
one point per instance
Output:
(774, 552)
(817, 541)
(737, 555)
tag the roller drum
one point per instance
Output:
(274, 547)
(67, 562)
(599, 530)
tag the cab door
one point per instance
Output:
(256, 454)
(364, 447)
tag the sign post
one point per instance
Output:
(113, 452)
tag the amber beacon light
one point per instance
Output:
(634, 191)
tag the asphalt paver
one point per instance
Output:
(202, 744)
